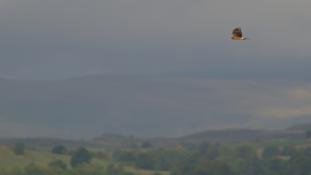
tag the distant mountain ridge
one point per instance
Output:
(143, 106)
(300, 127)
(116, 141)
(242, 135)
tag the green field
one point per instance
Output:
(10, 162)
(265, 157)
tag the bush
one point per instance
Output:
(59, 149)
(81, 156)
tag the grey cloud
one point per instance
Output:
(56, 39)
(149, 37)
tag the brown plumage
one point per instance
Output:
(237, 34)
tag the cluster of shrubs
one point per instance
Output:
(198, 159)
(80, 164)
(216, 159)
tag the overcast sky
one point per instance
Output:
(62, 38)
(57, 39)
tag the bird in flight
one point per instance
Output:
(237, 34)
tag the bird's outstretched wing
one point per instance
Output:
(237, 32)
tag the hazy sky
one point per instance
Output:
(144, 106)
(63, 38)
(57, 39)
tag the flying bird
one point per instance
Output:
(237, 34)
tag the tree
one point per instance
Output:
(81, 156)
(59, 149)
(19, 148)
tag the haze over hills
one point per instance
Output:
(300, 127)
(115, 141)
(220, 84)
(146, 106)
